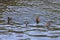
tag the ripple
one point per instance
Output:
(27, 10)
(36, 33)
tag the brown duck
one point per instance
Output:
(37, 20)
(48, 24)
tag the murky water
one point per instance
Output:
(21, 11)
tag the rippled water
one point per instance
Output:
(27, 11)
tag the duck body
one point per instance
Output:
(48, 25)
(26, 23)
(9, 19)
(37, 20)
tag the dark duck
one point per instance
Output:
(9, 20)
(37, 20)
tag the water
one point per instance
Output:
(21, 11)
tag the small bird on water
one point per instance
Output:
(37, 20)
(26, 23)
(48, 24)
(9, 19)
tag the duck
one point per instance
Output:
(26, 23)
(37, 24)
(9, 20)
(37, 20)
(48, 24)
(8, 23)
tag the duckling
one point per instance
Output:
(48, 24)
(37, 20)
(9, 19)
(26, 23)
